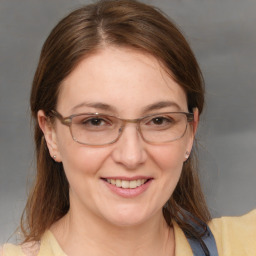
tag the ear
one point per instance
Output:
(196, 120)
(193, 126)
(48, 129)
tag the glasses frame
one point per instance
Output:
(68, 122)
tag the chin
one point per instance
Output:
(127, 222)
(128, 216)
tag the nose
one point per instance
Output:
(130, 148)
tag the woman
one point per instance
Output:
(116, 100)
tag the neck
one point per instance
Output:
(77, 234)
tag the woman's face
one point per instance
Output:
(127, 84)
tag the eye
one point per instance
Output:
(160, 121)
(95, 121)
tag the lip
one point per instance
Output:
(128, 192)
(127, 178)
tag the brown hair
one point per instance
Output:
(119, 23)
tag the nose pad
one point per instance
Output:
(120, 130)
(129, 149)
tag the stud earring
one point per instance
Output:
(187, 155)
(54, 157)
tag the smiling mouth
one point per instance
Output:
(127, 183)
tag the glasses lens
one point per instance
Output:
(163, 127)
(95, 129)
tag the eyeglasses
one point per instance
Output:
(95, 129)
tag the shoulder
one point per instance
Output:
(11, 250)
(27, 249)
(48, 246)
(235, 235)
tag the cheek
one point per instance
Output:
(79, 159)
(169, 157)
(83, 160)
(169, 160)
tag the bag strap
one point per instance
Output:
(208, 240)
(206, 245)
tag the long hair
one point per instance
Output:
(119, 23)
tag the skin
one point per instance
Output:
(128, 81)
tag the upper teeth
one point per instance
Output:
(127, 183)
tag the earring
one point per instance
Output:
(54, 157)
(187, 155)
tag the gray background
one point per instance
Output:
(222, 34)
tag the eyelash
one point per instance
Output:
(91, 119)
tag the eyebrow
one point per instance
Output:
(107, 107)
(160, 105)
(97, 105)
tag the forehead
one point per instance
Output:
(122, 78)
